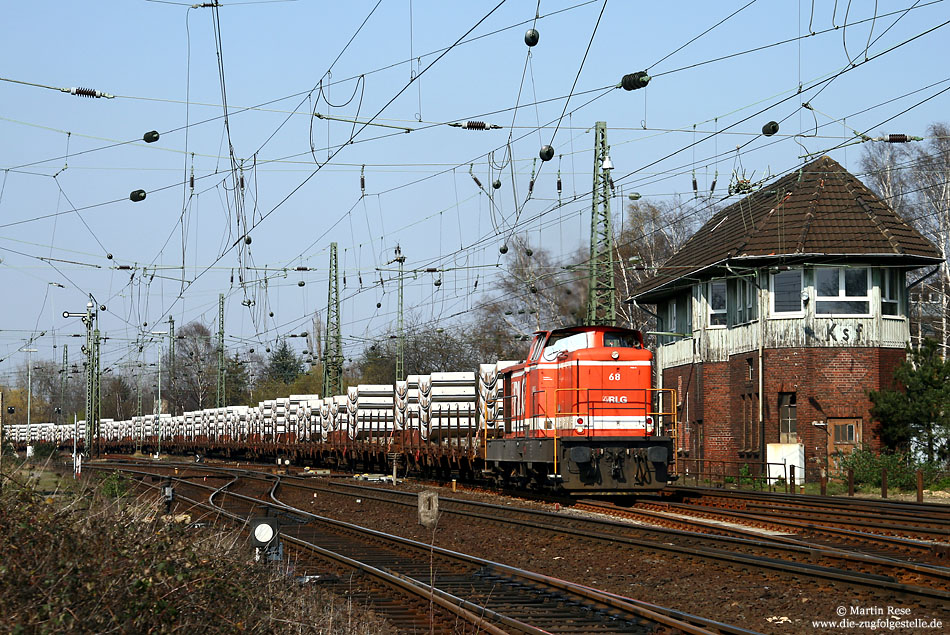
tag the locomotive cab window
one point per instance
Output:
(564, 343)
(621, 340)
(536, 347)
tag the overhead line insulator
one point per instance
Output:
(532, 37)
(901, 138)
(475, 125)
(633, 81)
(79, 91)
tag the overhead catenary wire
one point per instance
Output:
(378, 199)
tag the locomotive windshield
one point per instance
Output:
(564, 343)
(621, 340)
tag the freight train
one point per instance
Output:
(578, 415)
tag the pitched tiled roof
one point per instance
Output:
(821, 209)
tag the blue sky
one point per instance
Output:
(284, 61)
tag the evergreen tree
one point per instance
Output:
(919, 414)
(284, 365)
(237, 382)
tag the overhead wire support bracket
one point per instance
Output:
(362, 123)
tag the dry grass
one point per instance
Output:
(83, 560)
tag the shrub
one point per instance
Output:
(100, 567)
(115, 485)
(44, 451)
(745, 475)
(901, 469)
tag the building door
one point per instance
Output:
(844, 435)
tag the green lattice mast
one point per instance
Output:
(171, 364)
(400, 323)
(601, 294)
(220, 400)
(333, 353)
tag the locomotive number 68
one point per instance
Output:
(580, 415)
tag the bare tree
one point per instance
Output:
(915, 182)
(931, 178)
(194, 385)
(649, 235)
(885, 172)
(536, 292)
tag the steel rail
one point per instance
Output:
(640, 610)
(407, 586)
(859, 518)
(901, 542)
(810, 570)
(799, 500)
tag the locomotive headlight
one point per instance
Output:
(615, 355)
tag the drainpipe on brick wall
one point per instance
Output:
(762, 456)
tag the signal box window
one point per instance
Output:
(717, 303)
(841, 291)
(787, 291)
(788, 418)
(670, 323)
(892, 280)
(745, 301)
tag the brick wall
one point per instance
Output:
(827, 382)
(687, 381)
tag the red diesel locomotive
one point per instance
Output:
(580, 415)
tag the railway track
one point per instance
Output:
(726, 546)
(895, 518)
(772, 554)
(783, 530)
(911, 532)
(906, 531)
(488, 596)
